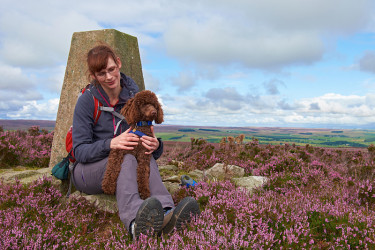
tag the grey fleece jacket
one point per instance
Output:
(91, 142)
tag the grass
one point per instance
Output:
(274, 136)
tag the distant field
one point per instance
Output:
(25, 124)
(299, 136)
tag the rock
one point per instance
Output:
(220, 171)
(178, 163)
(174, 179)
(167, 170)
(251, 182)
(171, 168)
(196, 175)
(104, 202)
(172, 187)
(27, 176)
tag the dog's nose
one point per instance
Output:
(153, 112)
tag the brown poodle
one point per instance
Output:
(139, 112)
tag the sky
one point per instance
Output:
(235, 63)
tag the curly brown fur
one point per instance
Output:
(144, 106)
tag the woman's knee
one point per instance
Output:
(129, 157)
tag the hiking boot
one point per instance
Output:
(182, 214)
(150, 215)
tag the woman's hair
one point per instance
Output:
(97, 58)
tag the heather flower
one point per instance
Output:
(26, 149)
(315, 198)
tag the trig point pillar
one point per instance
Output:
(125, 46)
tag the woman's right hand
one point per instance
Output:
(125, 141)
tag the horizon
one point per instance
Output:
(239, 63)
(333, 127)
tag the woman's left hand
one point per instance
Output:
(150, 143)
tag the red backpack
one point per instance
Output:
(69, 135)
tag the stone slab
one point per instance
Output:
(104, 202)
(26, 176)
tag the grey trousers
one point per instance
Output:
(88, 178)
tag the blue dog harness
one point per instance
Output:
(140, 124)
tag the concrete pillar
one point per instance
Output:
(125, 46)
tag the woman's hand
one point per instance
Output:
(125, 141)
(150, 143)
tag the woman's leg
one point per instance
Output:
(128, 200)
(88, 177)
(158, 190)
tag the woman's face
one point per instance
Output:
(109, 78)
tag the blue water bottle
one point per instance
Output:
(187, 181)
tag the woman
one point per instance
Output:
(93, 140)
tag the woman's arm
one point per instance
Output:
(159, 151)
(152, 144)
(85, 148)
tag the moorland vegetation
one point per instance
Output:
(316, 198)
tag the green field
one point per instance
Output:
(298, 136)
(265, 135)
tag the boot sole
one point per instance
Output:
(149, 216)
(182, 214)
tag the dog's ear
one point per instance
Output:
(130, 111)
(160, 117)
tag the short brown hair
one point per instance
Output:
(97, 58)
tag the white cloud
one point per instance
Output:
(272, 85)
(54, 80)
(335, 15)
(36, 110)
(184, 81)
(216, 109)
(37, 34)
(253, 33)
(370, 100)
(151, 82)
(268, 34)
(216, 42)
(351, 105)
(12, 78)
(19, 95)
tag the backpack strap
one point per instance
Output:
(97, 105)
(98, 108)
(71, 168)
(112, 110)
(118, 115)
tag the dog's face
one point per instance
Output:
(144, 106)
(149, 112)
